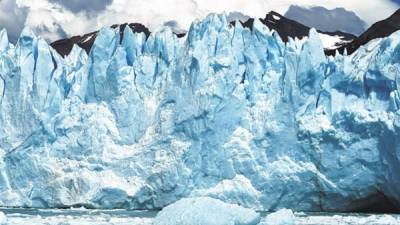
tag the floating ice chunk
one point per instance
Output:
(3, 218)
(205, 211)
(239, 190)
(352, 219)
(281, 217)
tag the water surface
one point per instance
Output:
(126, 217)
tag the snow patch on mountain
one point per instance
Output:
(332, 41)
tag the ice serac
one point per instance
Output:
(3, 40)
(229, 113)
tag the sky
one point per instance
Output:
(55, 19)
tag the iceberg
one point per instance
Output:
(3, 218)
(281, 217)
(205, 211)
(228, 112)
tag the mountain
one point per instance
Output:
(338, 19)
(64, 46)
(174, 26)
(228, 113)
(289, 28)
(380, 29)
(285, 27)
(233, 16)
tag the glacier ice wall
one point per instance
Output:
(228, 112)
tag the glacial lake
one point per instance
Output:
(126, 217)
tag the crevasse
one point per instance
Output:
(228, 112)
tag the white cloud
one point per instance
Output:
(12, 18)
(154, 12)
(52, 19)
(86, 5)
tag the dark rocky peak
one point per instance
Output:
(380, 29)
(289, 28)
(64, 46)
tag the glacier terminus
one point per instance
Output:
(227, 112)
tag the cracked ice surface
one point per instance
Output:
(228, 113)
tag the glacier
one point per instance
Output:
(228, 112)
